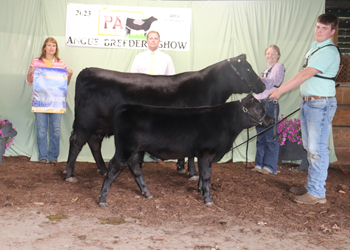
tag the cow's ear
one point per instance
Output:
(244, 56)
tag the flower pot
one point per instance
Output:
(292, 151)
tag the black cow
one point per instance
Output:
(167, 133)
(139, 24)
(98, 92)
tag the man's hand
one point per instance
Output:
(275, 94)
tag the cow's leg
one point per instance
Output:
(204, 166)
(180, 166)
(76, 141)
(193, 175)
(95, 143)
(114, 169)
(135, 165)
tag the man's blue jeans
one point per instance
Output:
(316, 119)
(267, 149)
(45, 121)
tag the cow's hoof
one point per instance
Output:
(71, 179)
(103, 204)
(208, 201)
(148, 195)
(181, 170)
(104, 173)
(194, 178)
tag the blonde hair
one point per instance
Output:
(275, 47)
(43, 51)
(153, 31)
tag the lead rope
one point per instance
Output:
(246, 153)
(265, 129)
(275, 103)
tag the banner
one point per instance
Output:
(127, 27)
(49, 90)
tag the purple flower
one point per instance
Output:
(8, 140)
(289, 129)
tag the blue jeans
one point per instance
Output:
(267, 149)
(316, 119)
(45, 121)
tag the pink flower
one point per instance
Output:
(289, 129)
(8, 140)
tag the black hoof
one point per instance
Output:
(71, 179)
(148, 195)
(208, 201)
(180, 169)
(102, 172)
(103, 204)
(193, 177)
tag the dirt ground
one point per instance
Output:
(39, 210)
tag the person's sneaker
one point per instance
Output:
(53, 161)
(309, 199)
(43, 161)
(255, 169)
(263, 171)
(298, 190)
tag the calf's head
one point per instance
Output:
(242, 68)
(256, 112)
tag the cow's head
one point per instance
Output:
(152, 19)
(250, 80)
(256, 112)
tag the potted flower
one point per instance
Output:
(290, 141)
(7, 134)
(289, 130)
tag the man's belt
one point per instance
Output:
(314, 97)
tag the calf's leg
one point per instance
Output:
(180, 166)
(193, 175)
(135, 166)
(204, 166)
(114, 169)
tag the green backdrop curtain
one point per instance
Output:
(220, 30)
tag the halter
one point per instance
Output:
(245, 110)
(240, 76)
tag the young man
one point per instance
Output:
(317, 107)
(153, 61)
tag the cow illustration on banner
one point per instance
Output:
(49, 90)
